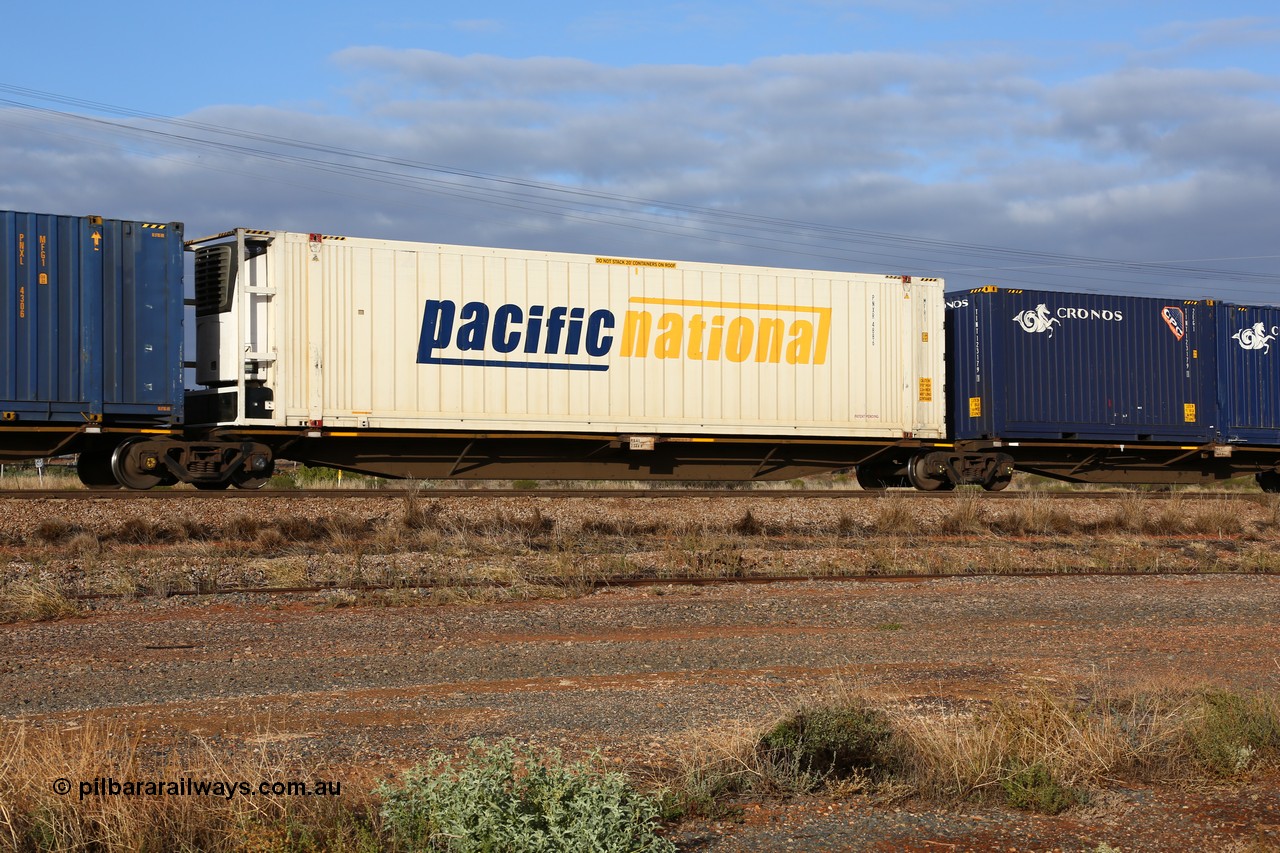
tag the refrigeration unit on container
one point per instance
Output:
(1249, 373)
(354, 337)
(90, 321)
(1072, 366)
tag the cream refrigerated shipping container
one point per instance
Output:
(306, 330)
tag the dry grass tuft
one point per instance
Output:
(1221, 518)
(846, 525)
(140, 531)
(1128, 516)
(194, 530)
(528, 530)
(894, 515)
(965, 515)
(748, 525)
(38, 601)
(243, 527)
(418, 516)
(55, 530)
(297, 528)
(1040, 752)
(624, 527)
(1035, 516)
(35, 816)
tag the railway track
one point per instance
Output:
(595, 584)
(596, 494)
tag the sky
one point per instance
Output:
(1122, 147)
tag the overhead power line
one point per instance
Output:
(921, 255)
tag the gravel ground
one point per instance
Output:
(642, 674)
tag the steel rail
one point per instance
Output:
(599, 494)
(594, 584)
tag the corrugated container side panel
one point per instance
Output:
(707, 348)
(27, 356)
(971, 391)
(294, 302)
(66, 366)
(1249, 373)
(389, 333)
(19, 227)
(91, 316)
(8, 305)
(113, 313)
(1060, 365)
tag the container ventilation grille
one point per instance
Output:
(213, 280)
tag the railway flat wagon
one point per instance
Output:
(90, 333)
(419, 359)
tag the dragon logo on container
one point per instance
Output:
(557, 337)
(1256, 338)
(1037, 321)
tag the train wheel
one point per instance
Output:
(136, 468)
(94, 470)
(925, 480)
(874, 479)
(1269, 481)
(256, 479)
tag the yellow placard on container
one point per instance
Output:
(975, 407)
(926, 389)
(1189, 412)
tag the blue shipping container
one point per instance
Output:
(1249, 373)
(1045, 365)
(90, 320)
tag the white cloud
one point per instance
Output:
(1139, 163)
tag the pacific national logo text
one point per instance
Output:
(575, 338)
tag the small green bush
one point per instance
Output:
(1032, 788)
(1235, 731)
(839, 741)
(505, 798)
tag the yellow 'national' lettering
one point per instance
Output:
(801, 342)
(770, 348)
(635, 334)
(668, 345)
(765, 338)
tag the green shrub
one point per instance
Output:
(505, 798)
(839, 741)
(1032, 788)
(1234, 731)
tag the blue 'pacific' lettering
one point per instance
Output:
(561, 331)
